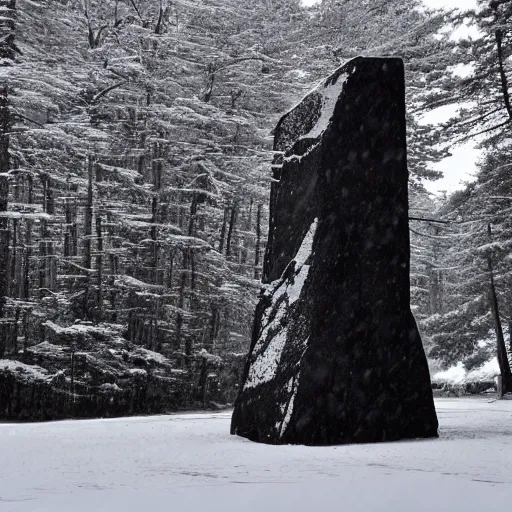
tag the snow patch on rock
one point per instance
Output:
(298, 158)
(321, 102)
(329, 92)
(293, 386)
(284, 293)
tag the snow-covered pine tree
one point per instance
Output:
(427, 294)
(478, 278)
(484, 94)
(477, 274)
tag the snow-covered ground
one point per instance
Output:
(189, 462)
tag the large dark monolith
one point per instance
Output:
(336, 356)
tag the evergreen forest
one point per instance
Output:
(135, 168)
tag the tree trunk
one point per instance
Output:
(7, 53)
(503, 75)
(510, 336)
(257, 274)
(223, 230)
(4, 196)
(500, 339)
(26, 264)
(232, 222)
(181, 299)
(506, 374)
(203, 380)
(214, 326)
(249, 217)
(67, 234)
(42, 264)
(15, 331)
(13, 261)
(171, 269)
(87, 243)
(46, 262)
(74, 231)
(88, 216)
(193, 216)
(26, 333)
(154, 245)
(51, 264)
(5, 166)
(73, 373)
(99, 267)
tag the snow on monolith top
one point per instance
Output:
(336, 356)
(310, 118)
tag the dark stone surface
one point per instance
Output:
(336, 356)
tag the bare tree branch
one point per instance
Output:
(107, 90)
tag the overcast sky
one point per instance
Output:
(460, 167)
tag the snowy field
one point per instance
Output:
(189, 462)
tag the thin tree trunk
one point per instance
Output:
(189, 343)
(154, 237)
(193, 216)
(13, 261)
(181, 299)
(88, 240)
(503, 75)
(7, 53)
(30, 195)
(51, 262)
(67, 234)
(232, 222)
(73, 373)
(74, 231)
(26, 333)
(188, 262)
(26, 264)
(51, 269)
(192, 272)
(223, 230)
(257, 249)
(113, 292)
(42, 262)
(88, 216)
(171, 270)
(17, 278)
(249, 218)
(504, 365)
(191, 264)
(99, 267)
(160, 21)
(510, 336)
(203, 380)
(15, 331)
(503, 362)
(214, 326)
(5, 162)
(25, 285)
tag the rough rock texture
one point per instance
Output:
(336, 356)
